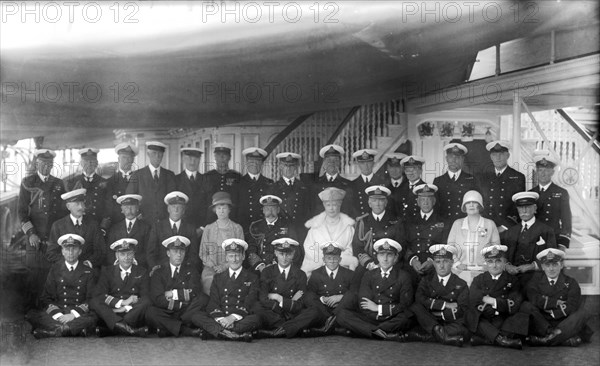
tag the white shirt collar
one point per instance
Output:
(546, 186)
(330, 177)
(496, 276)
(329, 272)
(272, 223)
(152, 169)
(71, 265)
(288, 180)
(176, 223)
(124, 173)
(386, 272)
(427, 215)
(126, 271)
(253, 176)
(415, 182)
(287, 270)
(89, 176)
(237, 272)
(127, 221)
(190, 173)
(75, 220)
(529, 223)
(500, 171)
(378, 217)
(445, 278)
(454, 174)
(43, 177)
(552, 279)
(365, 177)
(394, 181)
(173, 268)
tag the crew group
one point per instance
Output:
(221, 255)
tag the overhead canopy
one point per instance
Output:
(154, 64)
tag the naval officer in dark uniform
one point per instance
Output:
(498, 184)
(191, 182)
(38, 207)
(396, 178)
(222, 178)
(453, 185)
(117, 184)
(365, 161)
(251, 187)
(405, 201)
(554, 208)
(153, 182)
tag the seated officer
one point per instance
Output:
(494, 301)
(557, 315)
(424, 230)
(441, 301)
(379, 223)
(65, 295)
(233, 297)
(262, 232)
(131, 227)
(173, 225)
(385, 295)
(176, 292)
(92, 255)
(330, 288)
(527, 239)
(121, 296)
(282, 289)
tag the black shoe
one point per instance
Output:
(87, 332)
(379, 333)
(343, 332)
(479, 341)
(456, 341)
(396, 337)
(162, 333)
(123, 329)
(141, 332)
(572, 342)
(414, 336)
(439, 333)
(504, 341)
(536, 341)
(191, 332)
(45, 333)
(102, 332)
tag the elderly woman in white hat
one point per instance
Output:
(329, 225)
(470, 235)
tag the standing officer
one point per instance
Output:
(117, 184)
(130, 227)
(365, 161)
(406, 204)
(176, 293)
(332, 164)
(498, 185)
(527, 239)
(396, 179)
(92, 255)
(251, 187)
(424, 230)
(453, 185)
(97, 192)
(67, 292)
(294, 194)
(38, 207)
(153, 182)
(378, 224)
(554, 208)
(173, 226)
(190, 182)
(385, 296)
(122, 294)
(441, 301)
(262, 233)
(222, 178)
(233, 298)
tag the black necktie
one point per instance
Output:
(156, 176)
(366, 180)
(377, 219)
(129, 227)
(176, 272)
(330, 179)
(283, 274)
(71, 269)
(524, 228)
(442, 281)
(174, 229)
(454, 178)
(331, 276)
(542, 189)
(126, 176)
(551, 282)
(396, 185)
(385, 275)
(498, 175)
(233, 276)
(424, 217)
(290, 182)
(77, 224)
(126, 277)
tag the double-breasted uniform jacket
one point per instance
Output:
(272, 281)
(554, 210)
(259, 238)
(340, 182)
(111, 288)
(237, 296)
(432, 295)
(186, 283)
(117, 186)
(545, 297)
(523, 247)
(195, 210)
(394, 293)
(450, 195)
(361, 199)
(395, 194)
(368, 231)
(507, 292)
(296, 200)
(96, 195)
(405, 201)
(421, 234)
(40, 204)
(247, 206)
(497, 195)
(140, 231)
(92, 250)
(320, 284)
(67, 290)
(156, 253)
(152, 206)
(216, 182)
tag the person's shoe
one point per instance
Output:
(191, 332)
(414, 336)
(276, 333)
(122, 328)
(161, 333)
(536, 341)
(396, 337)
(65, 331)
(379, 333)
(553, 333)
(343, 332)
(504, 341)
(102, 332)
(141, 332)
(439, 333)
(479, 341)
(45, 333)
(87, 332)
(572, 342)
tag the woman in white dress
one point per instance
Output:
(329, 225)
(470, 235)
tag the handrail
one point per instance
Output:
(578, 128)
(286, 131)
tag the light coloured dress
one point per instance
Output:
(319, 232)
(211, 252)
